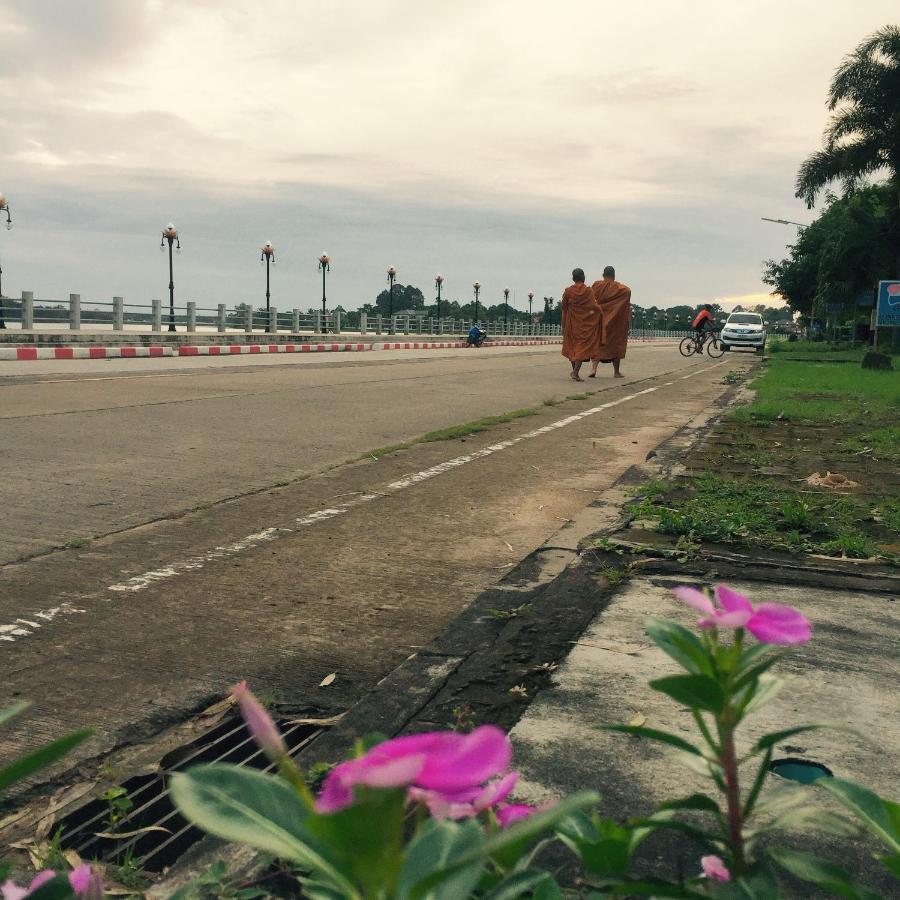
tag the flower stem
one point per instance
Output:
(733, 798)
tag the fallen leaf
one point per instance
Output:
(119, 835)
(328, 679)
(509, 545)
(217, 710)
(72, 858)
(331, 720)
(637, 720)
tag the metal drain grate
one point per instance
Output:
(154, 851)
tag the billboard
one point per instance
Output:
(888, 304)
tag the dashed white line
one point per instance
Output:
(25, 627)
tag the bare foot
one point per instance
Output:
(592, 375)
(576, 377)
(618, 375)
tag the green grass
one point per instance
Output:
(888, 512)
(757, 512)
(884, 443)
(458, 431)
(78, 543)
(815, 348)
(822, 393)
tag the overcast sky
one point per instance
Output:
(499, 140)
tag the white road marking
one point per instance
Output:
(140, 582)
(25, 627)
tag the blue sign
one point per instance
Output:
(866, 298)
(888, 304)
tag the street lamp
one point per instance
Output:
(392, 275)
(267, 256)
(4, 207)
(170, 234)
(530, 319)
(506, 306)
(477, 287)
(438, 281)
(325, 266)
(784, 222)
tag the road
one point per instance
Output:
(240, 528)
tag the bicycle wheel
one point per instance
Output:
(714, 348)
(687, 347)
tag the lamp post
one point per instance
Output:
(267, 256)
(438, 281)
(392, 275)
(4, 207)
(506, 306)
(530, 319)
(477, 287)
(325, 266)
(170, 234)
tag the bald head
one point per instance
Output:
(609, 272)
(578, 276)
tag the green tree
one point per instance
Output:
(405, 297)
(863, 136)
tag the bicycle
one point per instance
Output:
(694, 343)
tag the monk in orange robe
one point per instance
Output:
(614, 300)
(581, 324)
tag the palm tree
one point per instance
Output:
(863, 136)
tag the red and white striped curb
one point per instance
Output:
(26, 353)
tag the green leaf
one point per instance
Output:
(891, 863)
(252, 808)
(821, 872)
(532, 883)
(706, 838)
(653, 735)
(695, 691)
(695, 801)
(58, 888)
(881, 817)
(767, 688)
(41, 758)
(761, 774)
(681, 644)
(776, 737)
(430, 871)
(753, 672)
(12, 711)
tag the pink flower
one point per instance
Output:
(713, 867)
(449, 764)
(769, 623)
(259, 722)
(12, 891)
(86, 883)
(512, 812)
(465, 804)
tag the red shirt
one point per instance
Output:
(703, 316)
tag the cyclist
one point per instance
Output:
(475, 337)
(702, 323)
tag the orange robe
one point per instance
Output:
(614, 299)
(581, 324)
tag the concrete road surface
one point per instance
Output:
(206, 572)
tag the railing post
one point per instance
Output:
(222, 319)
(408, 325)
(420, 326)
(378, 324)
(248, 318)
(75, 312)
(337, 321)
(192, 315)
(295, 321)
(363, 323)
(273, 320)
(157, 314)
(27, 311)
(317, 323)
(118, 313)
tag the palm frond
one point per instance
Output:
(876, 59)
(848, 163)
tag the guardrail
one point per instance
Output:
(29, 314)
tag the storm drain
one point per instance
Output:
(91, 833)
(804, 771)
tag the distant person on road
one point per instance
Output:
(581, 324)
(614, 301)
(475, 337)
(704, 320)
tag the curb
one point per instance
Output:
(33, 353)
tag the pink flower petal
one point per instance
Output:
(9, 890)
(731, 601)
(393, 773)
(506, 815)
(496, 792)
(773, 623)
(478, 756)
(713, 867)
(41, 879)
(695, 598)
(259, 722)
(726, 620)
